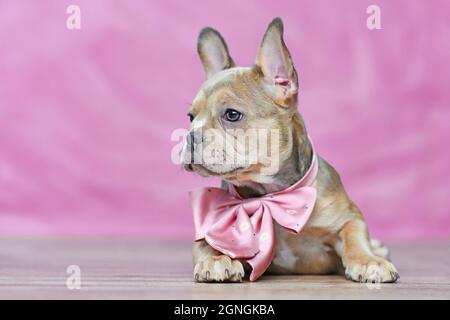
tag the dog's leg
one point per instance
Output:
(360, 262)
(212, 266)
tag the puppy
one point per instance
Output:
(335, 238)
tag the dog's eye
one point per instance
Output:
(191, 117)
(232, 115)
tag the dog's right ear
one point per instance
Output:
(213, 52)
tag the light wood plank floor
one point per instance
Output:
(112, 269)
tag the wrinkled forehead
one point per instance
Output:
(228, 84)
(225, 78)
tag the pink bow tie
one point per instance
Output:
(243, 228)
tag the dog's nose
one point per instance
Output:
(195, 137)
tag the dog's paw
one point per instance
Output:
(372, 270)
(219, 269)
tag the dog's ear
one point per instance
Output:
(213, 52)
(275, 65)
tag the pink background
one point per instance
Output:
(86, 116)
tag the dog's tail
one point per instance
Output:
(379, 249)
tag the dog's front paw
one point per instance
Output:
(372, 270)
(219, 269)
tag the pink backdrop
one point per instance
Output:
(86, 116)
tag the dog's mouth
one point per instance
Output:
(205, 172)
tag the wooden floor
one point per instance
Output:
(36, 269)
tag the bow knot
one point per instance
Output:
(251, 205)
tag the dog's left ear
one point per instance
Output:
(275, 64)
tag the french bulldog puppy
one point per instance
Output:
(335, 239)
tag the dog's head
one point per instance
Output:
(244, 121)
